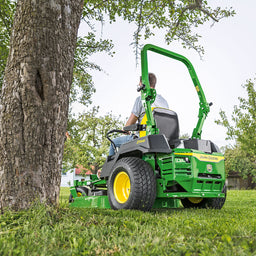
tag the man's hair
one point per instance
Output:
(152, 80)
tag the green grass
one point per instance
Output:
(45, 230)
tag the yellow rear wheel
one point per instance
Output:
(195, 200)
(122, 186)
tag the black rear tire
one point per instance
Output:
(217, 203)
(132, 185)
(214, 203)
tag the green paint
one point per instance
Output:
(91, 202)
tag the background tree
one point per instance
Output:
(237, 160)
(242, 129)
(86, 142)
(38, 76)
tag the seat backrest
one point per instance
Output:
(168, 124)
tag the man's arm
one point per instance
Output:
(132, 120)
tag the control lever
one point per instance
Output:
(140, 87)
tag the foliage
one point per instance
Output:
(86, 144)
(239, 161)
(82, 86)
(177, 17)
(7, 8)
(184, 136)
(46, 230)
(242, 129)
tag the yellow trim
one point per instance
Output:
(203, 157)
(143, 121)
(122, 186)
(197, 88)
(140, 141)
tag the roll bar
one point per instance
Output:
(148, 94)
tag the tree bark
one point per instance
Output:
(35, 99)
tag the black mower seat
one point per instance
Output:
(168, 124)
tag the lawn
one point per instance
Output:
(62, 231)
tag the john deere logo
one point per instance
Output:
(209, 167)
(204, 157)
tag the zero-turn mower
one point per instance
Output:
(158, 169)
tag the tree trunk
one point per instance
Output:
(35, 99)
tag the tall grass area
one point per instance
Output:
(46, 230)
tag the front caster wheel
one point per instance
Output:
(80, 191)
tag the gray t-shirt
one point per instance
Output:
(138, 109)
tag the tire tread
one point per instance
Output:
(143, 196)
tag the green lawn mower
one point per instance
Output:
(158, 169)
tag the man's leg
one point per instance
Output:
(118, 142)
